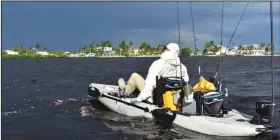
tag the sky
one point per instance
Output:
(71, 25)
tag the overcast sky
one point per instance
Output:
(70, 25)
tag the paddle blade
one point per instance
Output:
(164, 117)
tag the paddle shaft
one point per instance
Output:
(139, 107)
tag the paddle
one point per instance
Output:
(164, 117)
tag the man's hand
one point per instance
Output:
(133, 101)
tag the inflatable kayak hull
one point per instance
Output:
(232, 124)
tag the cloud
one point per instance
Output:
(75, 24)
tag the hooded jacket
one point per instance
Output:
(167, 66)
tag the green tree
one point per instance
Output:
(145, 48)
(250, 48)
(91, 47)
(240, 48)
(216, 49)
(207, 46)
(262, 45)
(196, 52)
(186, 51)
(20, 50)
(14, 49)
(204, 52)
(124, 49)
(130, 47)
(158, 49)
(37, 46)
(212, 43)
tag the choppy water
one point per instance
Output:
(46, 98)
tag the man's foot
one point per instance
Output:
(121, 83)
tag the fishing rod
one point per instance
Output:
(194, 39)
(179, 32)
(272, 49)
(222, 23)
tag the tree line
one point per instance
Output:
(126, 48)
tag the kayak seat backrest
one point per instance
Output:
(168, 85)
(174, 83)
(211, 102)
(212, 95)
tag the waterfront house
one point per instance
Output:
(223, 50)
(107, 51)
(66, 53)
(136, 51)
(43, 53)
(90, 55)
(11, 52)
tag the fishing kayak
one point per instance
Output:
(234, 123)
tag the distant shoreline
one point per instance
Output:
(140, 56)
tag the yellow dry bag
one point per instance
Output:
(170, 98)
(204, 86)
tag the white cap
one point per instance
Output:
(173, 47)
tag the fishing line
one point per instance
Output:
(237, 25)
(222, 58)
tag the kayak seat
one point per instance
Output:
(166, 92)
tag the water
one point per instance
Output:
(46, 98)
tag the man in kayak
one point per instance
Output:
(168, 65)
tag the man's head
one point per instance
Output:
(172, 47)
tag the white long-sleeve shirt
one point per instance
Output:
(167, 66)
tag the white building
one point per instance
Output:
(223, 50)
(136, 51)
(90, 55)
(73, 55)
(66, 53)
(257, 50)
(11, 52)
(44, 53)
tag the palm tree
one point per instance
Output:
(262, 45)
(130, 44)
(91, 47)
(269, 47)
(20, 49)
(240, 48)
(124, 49)
(216, 49)
(207, 46)
(14, 49)
(250, 48)
(212, 43)
(108, 43)
(37, 46)
(144, 48)
(158, 48)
